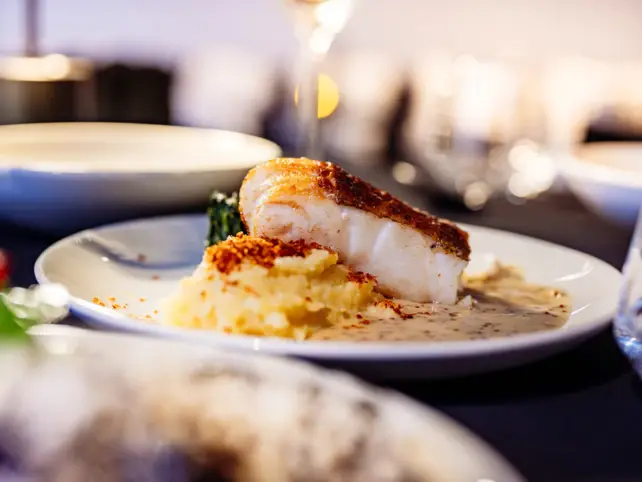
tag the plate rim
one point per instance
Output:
(107, 319)
(334, 381)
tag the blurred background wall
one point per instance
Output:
(162, 30)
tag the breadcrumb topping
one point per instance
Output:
(228, 255)
(359, 277)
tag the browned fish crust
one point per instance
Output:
(336, 184)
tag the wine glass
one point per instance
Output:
(316, 23)
(628, 321)
(476, 130)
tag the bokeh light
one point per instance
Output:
(328, 99)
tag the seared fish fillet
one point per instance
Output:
(414, 255)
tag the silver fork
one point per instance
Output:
(122, 254)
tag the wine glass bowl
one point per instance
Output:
(317, 22)
(474, 130)
(628, 321)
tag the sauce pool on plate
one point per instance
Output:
(501, 304)
(496, 304)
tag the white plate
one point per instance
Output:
(607, 177)
(68, 176)
(592, 284)
(446, 449)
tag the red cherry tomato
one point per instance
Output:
(4, 268)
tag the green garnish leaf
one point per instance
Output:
(22, 308)
(10, 329)
(224, 218)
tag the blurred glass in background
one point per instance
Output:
(474, 130)
(316, 24)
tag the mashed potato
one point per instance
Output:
(259, 286)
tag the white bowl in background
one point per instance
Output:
(607, 177)
(62, 177)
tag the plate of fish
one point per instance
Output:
(310, 261)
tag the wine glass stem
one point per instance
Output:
(309, 144)
(31, 27)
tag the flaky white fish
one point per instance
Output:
(414, 255)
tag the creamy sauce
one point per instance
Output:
(503, 304)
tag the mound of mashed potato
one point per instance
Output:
(259, 286)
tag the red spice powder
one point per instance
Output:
(389, 304)
(359, 277)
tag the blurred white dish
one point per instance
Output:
(67, 176)
(265, 398)
(607, 177)
(171, 241)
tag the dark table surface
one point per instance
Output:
(574, 417)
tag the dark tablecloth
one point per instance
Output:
(574, 417)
